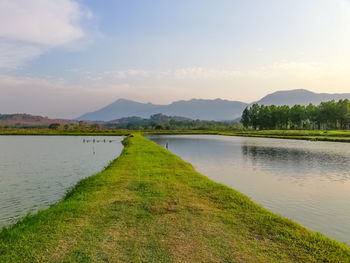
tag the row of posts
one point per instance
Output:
(94, 140)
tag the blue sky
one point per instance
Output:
(62, 58)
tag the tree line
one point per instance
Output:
(328, 115)
(164, 122)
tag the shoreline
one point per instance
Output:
(149, 204)
(330, 136)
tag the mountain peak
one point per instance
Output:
(217, 109)
(122, 100)
(206, 109)
(299, 96)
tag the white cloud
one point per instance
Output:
(29, 28)
(196, 73)
(190, 73)
(297, 69)
(13, 54)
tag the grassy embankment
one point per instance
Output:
(150, 206)
(334, 136)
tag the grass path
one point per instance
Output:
(150, 206)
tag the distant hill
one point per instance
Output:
(219, 110)
(194, 109)
(300, 96)
(161, 121)
(27, 120)
(157, 119)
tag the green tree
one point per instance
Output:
(343, 110)
(297, 116)
(328, 114)
(254, 115)
(245, 119)
(312, 115)
(54, 126)
(282, 113)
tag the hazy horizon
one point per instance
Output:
(63, 58)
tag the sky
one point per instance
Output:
(63, 58)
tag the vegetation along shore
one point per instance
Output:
(150, 206)
(310, 135)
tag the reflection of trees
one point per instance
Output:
(297, 162)
(283, 160)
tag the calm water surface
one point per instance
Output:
(308, 182)
(36, 171)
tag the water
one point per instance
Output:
(36, 171)
(308, 182)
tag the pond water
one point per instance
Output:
(36, 171)
(308, 182)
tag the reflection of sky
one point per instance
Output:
(36, 171)
(308, 182)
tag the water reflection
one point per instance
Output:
(36, 171)
(305, 181)
(298, 162)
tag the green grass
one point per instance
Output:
(150, 206)
(334, 136)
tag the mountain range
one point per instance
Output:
(195, 109)
(218, 109)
